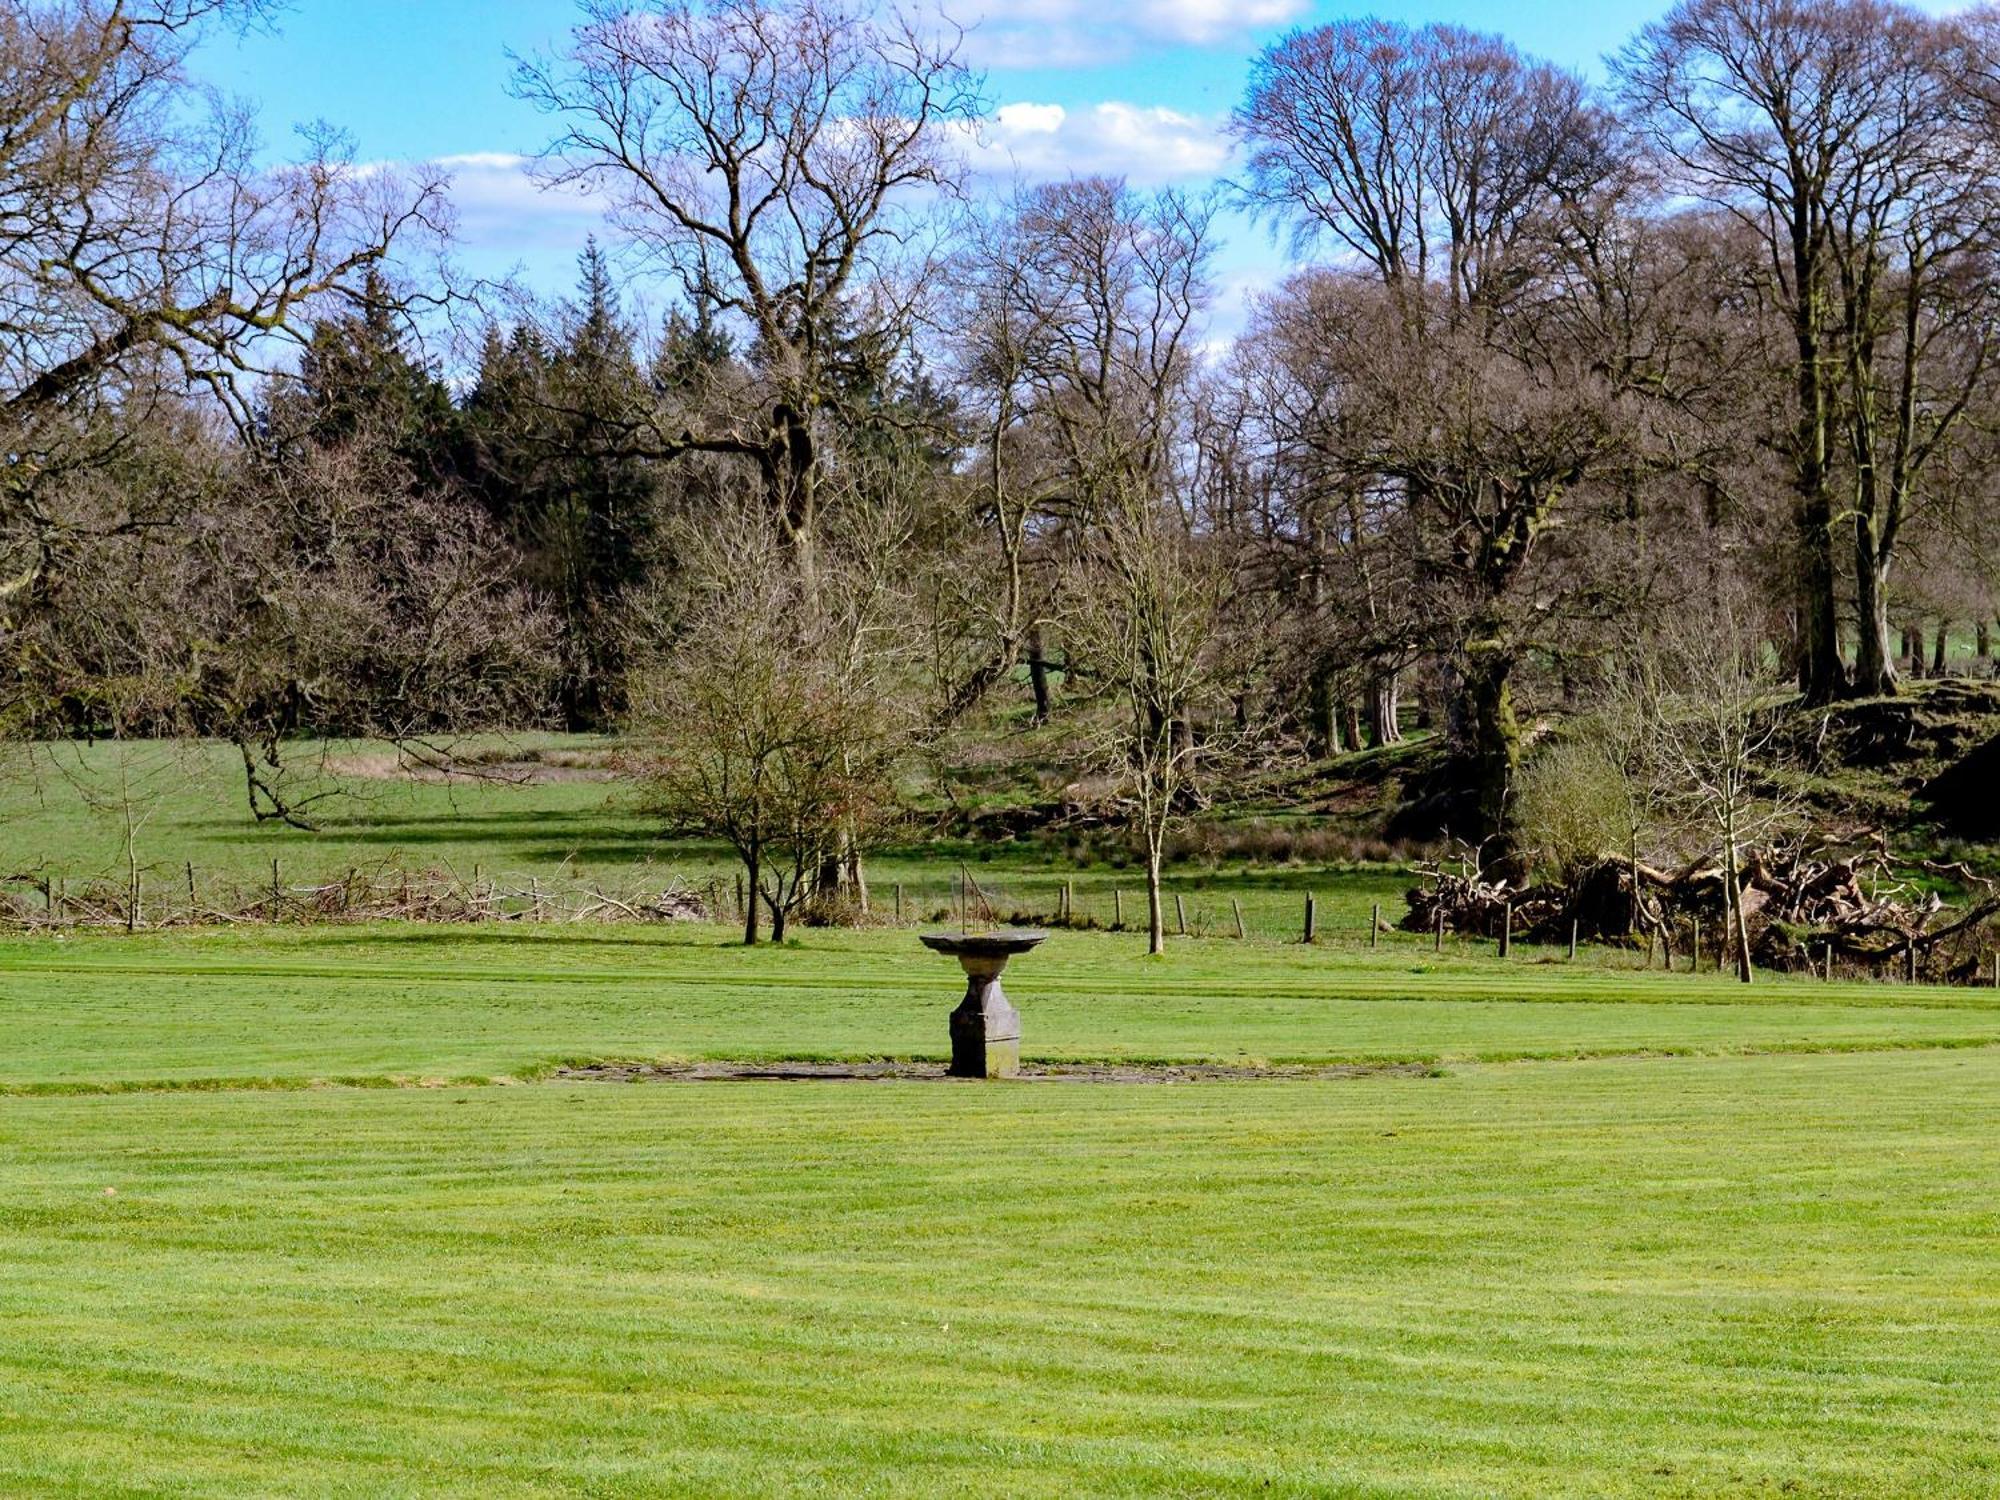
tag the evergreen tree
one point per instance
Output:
(550, 452)
(359, 381)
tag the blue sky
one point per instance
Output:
(1132, 87)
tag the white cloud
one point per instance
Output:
(1149, 146)
(1209, 20)
(502, 207)
(1079, 33)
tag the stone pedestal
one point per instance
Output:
(985, 1029)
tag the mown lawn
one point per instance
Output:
(1687, 1277)
(388, 1003)
(1631, 1234)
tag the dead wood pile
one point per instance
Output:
(1801, 905)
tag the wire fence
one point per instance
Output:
(156, 897)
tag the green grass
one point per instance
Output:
(1635, 1234)
(67, 811)
(1674, 1277)
(454, 1003)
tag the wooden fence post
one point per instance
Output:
(277, 897)
(1375, 925)
(1437, 939)
(1117, 910)
(1180, 913)
(1506, 929)
(1572, 939)
(1237, 907)
(1312, 918)
(194, 903)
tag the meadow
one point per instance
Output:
(317, 1210)
(549, 808)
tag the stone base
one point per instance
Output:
(985, 1032)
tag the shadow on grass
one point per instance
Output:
(531, 838)
(541, 938)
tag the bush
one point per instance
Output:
(1572, 807)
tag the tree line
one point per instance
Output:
(838, 451)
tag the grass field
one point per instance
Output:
(304, 1211)
(1739, 1244)
(381, 1004)
(68, 811)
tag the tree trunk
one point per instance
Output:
(1874, 668)
(1733, 894)
(1982, 639)
(1350, 723)
(1490, 753)
(777, 916)
(1323, 732)
(752, 862)
(1156, 919)
(857, 877)
(1939, 659)
(1822, 676)
(1913, 652)
(1384, 710)
(1038, 675)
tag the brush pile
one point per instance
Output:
(1802, 908)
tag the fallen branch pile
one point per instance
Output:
(39, 900)
(1803, 908)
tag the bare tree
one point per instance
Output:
(1717, 721)
(1828, 130)
(1451, 167)
(773, 159)
(772, 722)
(145, 255)
(135, 225)
(1149, 606)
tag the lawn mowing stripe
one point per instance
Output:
(1546, 986)
(1747, 1277)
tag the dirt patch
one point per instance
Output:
(934, 1072)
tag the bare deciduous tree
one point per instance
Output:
(774, 159)
(1149, 605)
(774, 721)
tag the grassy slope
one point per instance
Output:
(1673, 1277)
